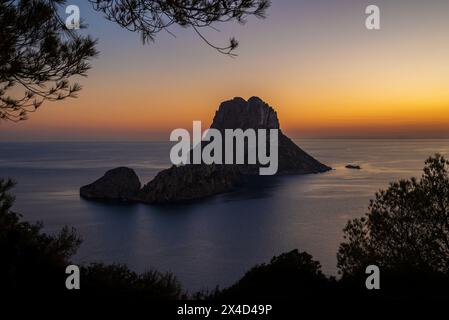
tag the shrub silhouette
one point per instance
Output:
(118, 281)
(29, 258)
(33, 263)
(291, 275)
(407, 225)
(405, 233)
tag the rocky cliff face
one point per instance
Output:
(242, 114)
(117, 184)
(256, 114)
(191, 182)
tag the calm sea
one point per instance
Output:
(212, 242)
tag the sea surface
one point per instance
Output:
(213, 241)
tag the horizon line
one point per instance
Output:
(165, 141)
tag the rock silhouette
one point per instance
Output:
(190, 182)
(194, 181)
(251, 114)
(117, 184)
(256, 114)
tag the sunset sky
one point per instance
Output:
(313, 61)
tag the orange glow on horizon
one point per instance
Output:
(328, 77)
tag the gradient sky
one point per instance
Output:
(313, 61)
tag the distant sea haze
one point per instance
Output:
(213, 241)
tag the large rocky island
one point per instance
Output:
(195, 181)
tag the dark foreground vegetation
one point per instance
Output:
(405, 233)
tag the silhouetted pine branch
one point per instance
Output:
(148, 17)
(38, 57)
